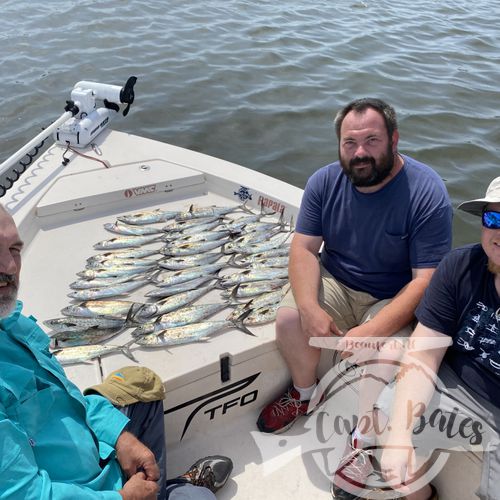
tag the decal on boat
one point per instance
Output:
(139, 191)
(215, 406)
(243, 193)
(270, 203)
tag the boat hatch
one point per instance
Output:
(104, 188)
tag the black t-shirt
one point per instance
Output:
(462, 302)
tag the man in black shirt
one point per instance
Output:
(460, 307)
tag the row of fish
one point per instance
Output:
(199, 247)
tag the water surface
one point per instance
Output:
(258, 82)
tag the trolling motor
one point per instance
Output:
(88, 120)
(80, 123)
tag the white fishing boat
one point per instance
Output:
(215, 388)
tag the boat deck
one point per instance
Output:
(215, 388)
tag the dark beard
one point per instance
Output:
(379, 171)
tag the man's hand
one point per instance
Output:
(360, 355)
(316, 322)
(134, 457)
(398, 465)
(139, 488)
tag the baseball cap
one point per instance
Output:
(475, 207)
(129, 385)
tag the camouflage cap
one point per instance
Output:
(129, 385)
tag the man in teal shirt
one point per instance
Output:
(56, 443)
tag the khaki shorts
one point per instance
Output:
(347, 307)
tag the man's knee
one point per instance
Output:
(287, 320)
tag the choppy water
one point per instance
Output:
(258, 82)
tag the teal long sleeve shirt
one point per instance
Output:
(55, 443)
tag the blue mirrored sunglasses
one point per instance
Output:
(491, 219)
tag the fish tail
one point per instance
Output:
(153, 276)
(244, 207)
(224, 251)
(263, 211)
(281, 219)
(125, 349)
(232, 261)
(134, 310)
(238, 322)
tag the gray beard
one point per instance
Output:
(7, 304)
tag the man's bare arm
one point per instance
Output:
(415, 384)
(400, 311)
(304, 273)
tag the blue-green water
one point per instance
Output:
(258, 82)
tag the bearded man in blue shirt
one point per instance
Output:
(382, 221)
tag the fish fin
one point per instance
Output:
(233, 299)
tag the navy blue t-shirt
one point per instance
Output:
(462, 302)
(373, 241)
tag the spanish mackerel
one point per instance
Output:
(196, 247)
(88, 336)
(189, 333)
(108, 291)
(214, 211)
(131, 230)
(131, 253)
(126, 241)
(110, 272)
(114, 309)
(148, 217)
(254, 275)
(98, 262)
(169, 278)
(85, 284)
(76, 323)
(178, 263)
(167, 291)
(253, 288)
(244, 260)
(180, 317)
(71, 355)
(174, 302)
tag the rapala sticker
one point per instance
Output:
(139, 191)
(270, 203)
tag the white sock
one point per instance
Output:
(305, 393)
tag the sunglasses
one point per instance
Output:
(491, 219)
